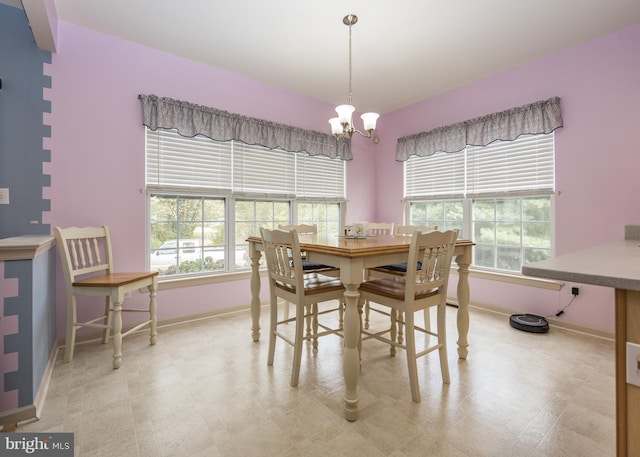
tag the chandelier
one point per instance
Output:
(342, 125)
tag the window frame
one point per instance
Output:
(230, 198)
(467, 197)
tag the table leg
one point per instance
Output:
(351, 356)
(255, 255)
(463, 261)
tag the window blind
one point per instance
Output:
(257, 169)
(199, 162)
(177, 161)
(438, 175)
(524, 165)
(319, 176)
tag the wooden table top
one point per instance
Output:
(356, 247)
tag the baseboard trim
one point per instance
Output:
(14, 416)
(41, 395)
(33, 411)
(558, 323)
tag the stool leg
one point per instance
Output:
(117, 335)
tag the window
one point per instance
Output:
(206, 197)
(500, 196)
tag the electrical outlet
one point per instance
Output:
(575, 291)
(633, 364)
(4, 196)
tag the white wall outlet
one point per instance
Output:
(4, 196)
(633, 364)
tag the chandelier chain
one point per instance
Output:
(350, 25)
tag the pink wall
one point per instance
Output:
(597, 156)
(97, 144)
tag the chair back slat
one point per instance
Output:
(409, 229)
(84, 250)
(284, 262)
(380, 228)
(302, 229)
(434, 251)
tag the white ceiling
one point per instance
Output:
(404, 51)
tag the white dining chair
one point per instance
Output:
(288, 282)
(397, 269)
(309, 267)
(419, 289)
(87, 265)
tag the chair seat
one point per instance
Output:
(315, 283)
(114, 279)
(306, 266)
(393, 288)
(396, 268)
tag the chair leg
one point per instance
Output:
(314, 313)
(411, 356)
(401, 326)
(308, 318)
(108, 320)
(360, 306)
(285, 310)
(427, 320)
(393, 331)
(442, 342)
(153, 315)
(117, 335)
(273, 323)
(297, 347)
(366, 315)
(341, 306)
(70, 339)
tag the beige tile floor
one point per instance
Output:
(205, 390)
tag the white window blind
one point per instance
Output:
(441, 174)
(257, 169)
(525, 165)
(199, 162)
(319, 176)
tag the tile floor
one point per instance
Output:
(205, 390)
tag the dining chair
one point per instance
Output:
(375, 229)
(87, 264)
(396, 269)
(419, 289)
(288, 282)
(379, 228)
(309, 267)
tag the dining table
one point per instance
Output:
(353, 256)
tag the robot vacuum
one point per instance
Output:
(529, 323)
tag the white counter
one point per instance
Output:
(615, 264)
(24, 247)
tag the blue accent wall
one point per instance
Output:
(21, 126)
(22, 107)
(21, 380)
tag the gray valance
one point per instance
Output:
(190, 120)
(539, 117)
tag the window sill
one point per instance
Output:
(166, 283)
(513, 278)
